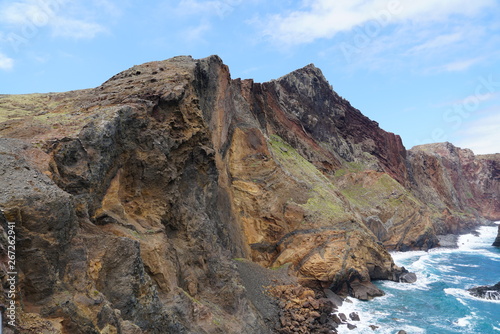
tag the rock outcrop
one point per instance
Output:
(464, 187)
(486, 292)
(131, 201)
(496, 243)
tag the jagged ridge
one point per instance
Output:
(132, 199)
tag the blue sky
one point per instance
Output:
(428, 70)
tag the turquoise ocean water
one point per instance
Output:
(438, 302)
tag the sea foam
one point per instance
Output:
(439, 301)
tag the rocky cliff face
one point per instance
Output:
(460, 185)
(131, 201)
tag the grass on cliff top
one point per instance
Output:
(40, 106)
(21, 106)
(324, 204)
(39, 117)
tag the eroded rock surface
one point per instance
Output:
(131, 200)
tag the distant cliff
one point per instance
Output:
(132, 200)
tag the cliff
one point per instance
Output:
(132, 200)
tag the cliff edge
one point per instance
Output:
(135, 203)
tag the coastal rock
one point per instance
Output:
(496, 243)
(365, 290)
(486, 292)
(131, 200)
(304, 310)
(451, 179)
(408, 278)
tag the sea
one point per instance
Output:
(438, 303)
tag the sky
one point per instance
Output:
(428, 70)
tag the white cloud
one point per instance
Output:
(326, 18)
(436, 42)
(482, 136)
(460, 65)
(204, 11)
(6, 63)
(195, 34)
(26, 13)
(31, 15)
(77, 29)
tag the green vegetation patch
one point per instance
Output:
(325, 204)
(381, 192)
(349, 167)
(21, 106)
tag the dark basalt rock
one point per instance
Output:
(496, 243)
(408, 278)
(486, 292)
(354, 316)
(365, 290)
(404, 276)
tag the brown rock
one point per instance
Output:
(336, 319)
(130, 200)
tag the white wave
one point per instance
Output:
(465, 321)
(447, 269)
(454, 279)
(422, 283)
(381, 329)
(483, 239)
(402, 256)
(367, 316)
(468, 265)
(435, 265)
(421, 262)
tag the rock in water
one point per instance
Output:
(496, 243)
(486, 292)
(354, 316)
(365, 290)
(408, 278)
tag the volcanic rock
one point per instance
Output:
(486, 292)
(131, 200)
(408, 278)
(354, 316)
